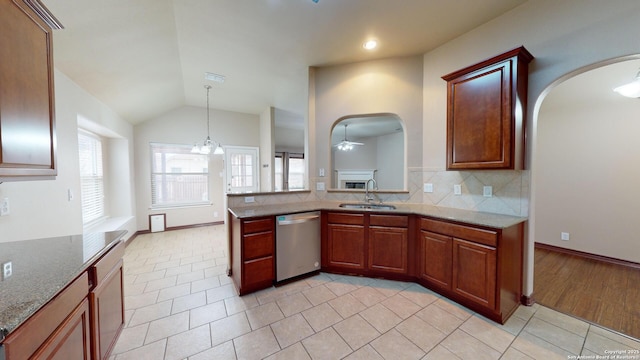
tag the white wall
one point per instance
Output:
(267, 149)
(41, 209)
(187, 125)
(587, 178)
(390, 149)
(380, 86)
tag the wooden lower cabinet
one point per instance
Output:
(479, 267)
(388, 243)
(474, 272)
(61, 327)
(71, 340)
(436, 259)
(107, 303)
(346, 246)
(252, 253)
(82, 322)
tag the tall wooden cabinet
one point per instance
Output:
(27, 116)
(486, 109)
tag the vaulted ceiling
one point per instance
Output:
(143, 58)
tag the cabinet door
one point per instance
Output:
(486, 106)
(474, 272)
(71, 339)
(479, 123)
(388, 249)
(346, 246)
(107, 302)
(436, 259)
(27, 133)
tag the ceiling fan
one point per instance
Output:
(346, 145)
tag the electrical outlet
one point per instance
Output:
(457, 189)
(320, 186)
(4, 207)
(428, 187)
(7, 270)
(564, 236)
(487, 191)
(249, 199)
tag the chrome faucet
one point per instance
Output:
(368, 197)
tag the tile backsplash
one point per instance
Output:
(510, 192)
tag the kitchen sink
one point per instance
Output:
(366, 206)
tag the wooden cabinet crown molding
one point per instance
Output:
(38, 7)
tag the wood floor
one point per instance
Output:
(600, 292)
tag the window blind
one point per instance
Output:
(91, 177)
(178, 177)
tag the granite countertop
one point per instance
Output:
(43, 267)
(466, 216)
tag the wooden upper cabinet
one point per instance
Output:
(27, 116)
(486, 109)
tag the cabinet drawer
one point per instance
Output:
(259, 270)
(343, 218)
(258, 245)
(482, 236)
(389, 220)
(255, 226)
(108, 261)
(29, 336)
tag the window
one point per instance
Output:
(178, 177)
(91, 177)
(289, 171)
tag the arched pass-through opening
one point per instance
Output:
(584, 197)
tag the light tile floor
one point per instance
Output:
(180, 305)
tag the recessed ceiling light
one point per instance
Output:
(370, 45)
(214, 77)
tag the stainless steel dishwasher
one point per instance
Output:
(297, 244)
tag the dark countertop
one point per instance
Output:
(42, 268)
(465, 216)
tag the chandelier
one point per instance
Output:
(207, 145)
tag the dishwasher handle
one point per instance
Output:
(298, 220)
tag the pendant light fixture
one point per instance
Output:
(207, 145)
(630, 90)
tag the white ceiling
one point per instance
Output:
(145, 57)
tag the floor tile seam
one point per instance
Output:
(608, 331)
(489, 345)
(567, 330)
(548, 342)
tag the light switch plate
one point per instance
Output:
(249, 199)
(428, 187)
(7, 270)
(564, 236)
(487, 191)
(4, 207)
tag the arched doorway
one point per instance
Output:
(585, 178)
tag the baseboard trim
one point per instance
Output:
(527, 300)
(605, 259)
(181, 227)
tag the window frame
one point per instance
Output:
(97, 164)
(186, 151)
